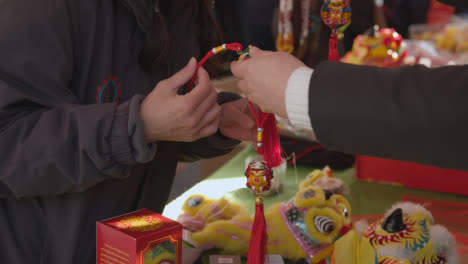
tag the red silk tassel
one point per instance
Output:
(271, 149)
(258, 239)
(268, 146)
(333, 54)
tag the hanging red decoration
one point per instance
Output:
(259, 173)
(336, 14)
(259, 177)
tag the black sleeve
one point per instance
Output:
(51, 144)
(214, 145)
(409, 113)
(462, 4)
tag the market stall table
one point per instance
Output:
(368, 199)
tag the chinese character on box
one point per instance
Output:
(141, 237)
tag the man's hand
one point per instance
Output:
(264, 78)
(237, 121)
(168, 116)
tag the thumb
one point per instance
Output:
(184, 75)
(239, 69)
(255, 52)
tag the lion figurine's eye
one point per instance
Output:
(345, 213)
(324, 224)
(195, 201)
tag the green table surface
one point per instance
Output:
(366, 198)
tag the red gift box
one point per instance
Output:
(141, 237)
(412, 175)
(439, 13)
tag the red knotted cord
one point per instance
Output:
(268, 148)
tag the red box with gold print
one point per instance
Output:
(141, 237)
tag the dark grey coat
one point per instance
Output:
(70, 155)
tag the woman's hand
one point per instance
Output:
(168, 116)
(237, 121)
(264, 78)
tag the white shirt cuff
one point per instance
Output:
(297, 99)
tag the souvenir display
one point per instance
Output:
(303, 227)
(382, 48)
(406, 235)
(325, 180)
(441, 45)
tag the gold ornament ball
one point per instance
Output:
(340, 35)
(259, 200)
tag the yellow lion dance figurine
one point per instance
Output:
(199, 211)
(407, 235)
(305, 227)
(315, 225)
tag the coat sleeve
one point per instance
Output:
(409, 113)
(50, 143)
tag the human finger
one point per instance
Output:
(239, 133)
(243, 87)
(210, 123)
(205, 106)
(203, 88)
(255, 52)
(182, 76)
(240, 69)
(232, 115)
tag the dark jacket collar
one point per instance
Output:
(143, 11)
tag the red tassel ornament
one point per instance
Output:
(337, 15)
(333, 54)
(268, 141)
(259, 177)
(259, 237)
(259, 174)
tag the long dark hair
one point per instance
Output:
(154, 53)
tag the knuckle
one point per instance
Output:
(192, 122)
(189, 106)
(163, 83)
(180, 107)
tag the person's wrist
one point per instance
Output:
(149, 137)
(297, 98)
(282, 103)
(142, 150)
